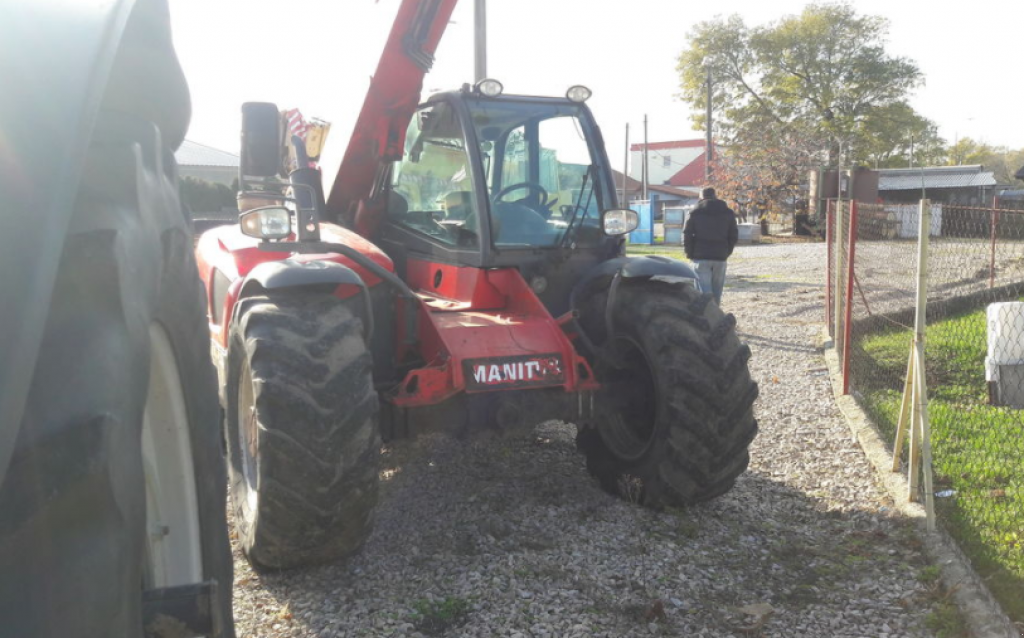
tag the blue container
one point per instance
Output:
(674, 235)
(644, 233)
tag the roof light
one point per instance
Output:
(489, 87)
(578, 93)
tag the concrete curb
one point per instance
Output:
(984, 617)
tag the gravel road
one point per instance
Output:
(510, 537)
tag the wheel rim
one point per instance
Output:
(248, 437)
(173, 540)
(627, 422)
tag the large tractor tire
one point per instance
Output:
(675, 417)
(115, 491)
(302, 429)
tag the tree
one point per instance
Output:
(203, 196)
(1001, 160)
(1004, 163)
(895, 136)
(822, 77)
(768, 177)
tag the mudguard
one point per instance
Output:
(289, 273)
(672, 270)
(613, 273)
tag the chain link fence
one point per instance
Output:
(974, 362)
(882, 305)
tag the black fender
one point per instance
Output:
(612, 273)
(644, 266)
(289, 273)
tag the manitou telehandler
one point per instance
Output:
(466, 271)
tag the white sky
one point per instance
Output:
(318, 55)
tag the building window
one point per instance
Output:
(666, 160)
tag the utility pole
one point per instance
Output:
(480, 39)
(709, 150)
(625, 172)
(646, 166)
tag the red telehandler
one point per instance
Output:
(466, 270)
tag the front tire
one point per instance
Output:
(302, 429)
(675, 418)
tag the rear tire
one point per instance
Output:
(674, 421)
(302, 429)
(120, 438)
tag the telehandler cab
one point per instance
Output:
(467, 271)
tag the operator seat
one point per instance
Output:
(460, 206)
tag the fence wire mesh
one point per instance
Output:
(882, 308)
(974, 363)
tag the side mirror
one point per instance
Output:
(619, 221)
(269, 222)
(261, 139)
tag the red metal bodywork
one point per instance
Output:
(226, 250)
(466, 315)
(475, 314)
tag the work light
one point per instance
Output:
(578, 93)
(489, 87)
(269, 222)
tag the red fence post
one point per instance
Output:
(848, 308)
(830, 222)
(992, 255)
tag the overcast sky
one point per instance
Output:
(318, 55)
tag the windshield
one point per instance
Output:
(432, 184)
(541, 177)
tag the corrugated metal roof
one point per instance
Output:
(196, 154)
(905, 179)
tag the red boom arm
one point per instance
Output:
(394, 93)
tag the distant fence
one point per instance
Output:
(975, 258)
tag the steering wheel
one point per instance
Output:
(529, 186)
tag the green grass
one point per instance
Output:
(435, 617)
(977, 449)
(670, 250)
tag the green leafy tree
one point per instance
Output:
(1005, 162)
(1001, 160)
(896, 136)
(822, 77)
(202, 196)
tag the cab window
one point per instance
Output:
(432, 191)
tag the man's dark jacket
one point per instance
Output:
(710, 231)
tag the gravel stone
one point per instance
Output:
(509, 536)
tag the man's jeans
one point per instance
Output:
(711, 275)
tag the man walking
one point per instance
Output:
(708, 238)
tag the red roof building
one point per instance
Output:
(679, 164)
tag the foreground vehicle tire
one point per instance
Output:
(675, 417)
(302, 429)
(117, 479)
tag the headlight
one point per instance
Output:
(578, 93)
(269, 222)
(619, 221)
(489, 87)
